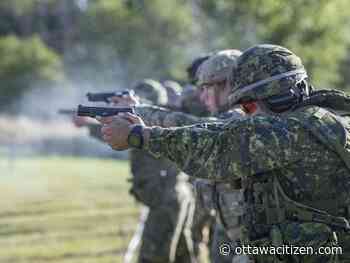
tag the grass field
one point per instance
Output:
(65, 210)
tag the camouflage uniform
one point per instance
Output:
(160, 185)
(151, 91)
(293, 168)
(190, 102)
(217, 71)
(200, 223)
(173, 90)
(214, 69)
(192, 229)
(206, 192)
(193, 67)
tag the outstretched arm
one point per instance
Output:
(220, 151)
(158, 116)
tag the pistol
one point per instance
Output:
(104, 97)
(67, 111)
(102, 111)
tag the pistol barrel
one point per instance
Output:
(102, 111)
(105, 96)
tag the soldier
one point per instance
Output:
(193, 67)
(159, 185)
(289, 157)
(185, 99)
(173, 90)
(212, 74)
(213, 77)
(150, 91)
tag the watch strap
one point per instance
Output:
(137, 131)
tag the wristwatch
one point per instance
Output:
(135, 137)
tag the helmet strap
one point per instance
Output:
(290, 98)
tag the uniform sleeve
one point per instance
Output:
(227, 151)
(157, 116)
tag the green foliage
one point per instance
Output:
(25, 62)
(146, 36)
(344, 72)
(18, 6)
(109, 41)
(315, 30)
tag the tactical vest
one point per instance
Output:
(267, 204)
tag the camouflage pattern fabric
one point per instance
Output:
(218, 67)
(167, 210)
(256, 76)
(208, 195)
(199, 215)
(160, 227)
(201, 218)
(152, 91)
(158, 116)
(193, 67)
(173, 90)
(220, 238)
(254, 151)
(190, 102)
(211, 72)
(206, 215)
(150, 177)
(156, 183)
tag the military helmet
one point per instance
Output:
(218, 67)
(152, 91)
(265, 71)
(193, 67)
(190, 102)
(173, 89)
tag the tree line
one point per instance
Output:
(56, 42)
